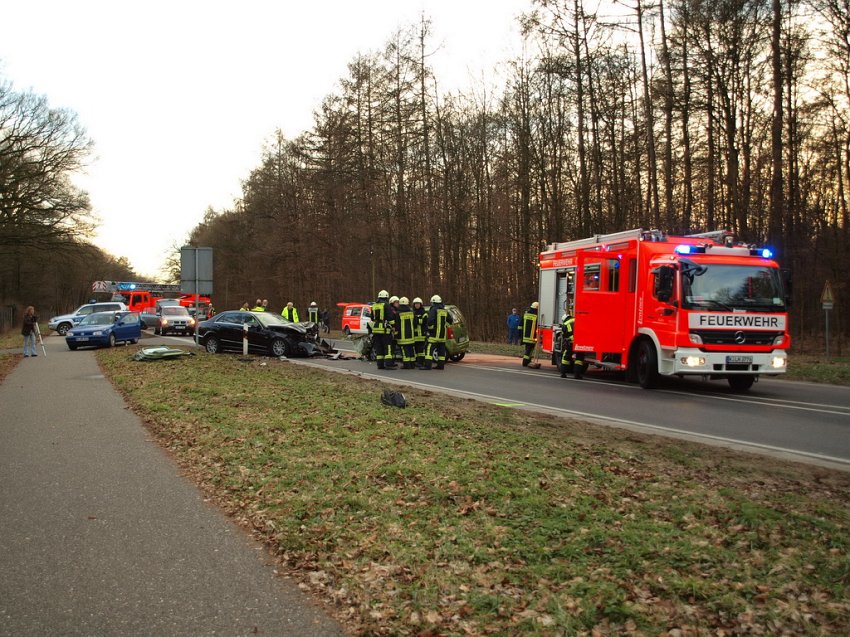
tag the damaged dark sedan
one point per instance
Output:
(267, 334)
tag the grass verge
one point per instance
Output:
(459, 518)
(818, 369)
(7, 364)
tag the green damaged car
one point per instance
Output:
(458, 342)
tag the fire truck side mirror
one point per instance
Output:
(786, 284)
(665, 277)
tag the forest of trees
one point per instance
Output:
(683, 115)
(46, 259)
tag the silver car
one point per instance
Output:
(175, 319)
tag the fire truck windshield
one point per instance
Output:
(724, 288)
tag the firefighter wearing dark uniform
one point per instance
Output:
(392, 319)
(567, 328)
(419, 332)
(437, 321)
(405, 324)
(313, 312)
(380, 330)
(529, 332)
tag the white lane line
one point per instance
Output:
(836, 462)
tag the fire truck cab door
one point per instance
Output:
(600, 304)
(662, 302)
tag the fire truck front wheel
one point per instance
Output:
(741, 383)
(647, 365)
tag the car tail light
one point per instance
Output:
(450, 334)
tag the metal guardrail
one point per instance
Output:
(8, 317)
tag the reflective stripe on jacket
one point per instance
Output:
(438, 320)
(379, 317)
(529, 327)
(405, 323)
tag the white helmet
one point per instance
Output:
(404, 301)
(535, 305)
(417, 300)
(393, 298)
(383, 294)
(436, 299)
(312, 304)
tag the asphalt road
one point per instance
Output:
(800, 421)
(101, 535)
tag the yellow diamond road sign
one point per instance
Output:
(827, 297)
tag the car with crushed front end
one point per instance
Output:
(267, 334)
(105, 329)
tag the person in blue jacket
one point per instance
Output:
(514, 319)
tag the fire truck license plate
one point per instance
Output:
(737, 360)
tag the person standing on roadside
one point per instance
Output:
(380, 329)
(405, 324)
(514, 320)
(419, 330)
(529, 332)
(29, 330)
(313, 312)
(290, 313)
(437, 321)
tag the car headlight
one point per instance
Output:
(98, 333)
(693, 361)
(777, 362)
(165, 321)
(779, 339)
(696, 339)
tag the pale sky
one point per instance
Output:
(179, 96)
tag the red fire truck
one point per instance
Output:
(654, 305)
(143, 297)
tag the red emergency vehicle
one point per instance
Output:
(654, 305)
(142, 296)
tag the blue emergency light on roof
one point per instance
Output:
(683, 249)
(767, 253)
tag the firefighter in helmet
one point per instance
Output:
(313, 312)
(380, 330)
(419, 335)
(437, 322)
(405, 324)
(567, 328)
(529, 332)
(392, 319)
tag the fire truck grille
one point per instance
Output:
(735, 337)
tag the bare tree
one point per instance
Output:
(40, 148)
